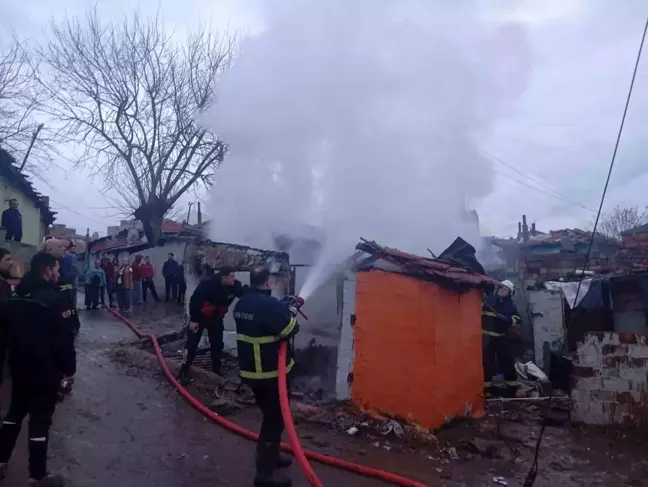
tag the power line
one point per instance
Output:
(536, 180)
(539, 190)
(533, 472)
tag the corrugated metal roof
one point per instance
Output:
(426, 268)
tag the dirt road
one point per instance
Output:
(120, 428)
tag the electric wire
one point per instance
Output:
(533, 471)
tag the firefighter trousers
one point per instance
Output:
(32, 398)
(215, 332)
(497, 353)
(266, 396)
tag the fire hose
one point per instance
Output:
(294, 447)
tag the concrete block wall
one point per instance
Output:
(610, 379)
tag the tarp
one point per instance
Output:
(569, 290)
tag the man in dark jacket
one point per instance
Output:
(12, 221)
(262, 323)
(500, 318)
(37, 316)
(170, 271)
(5, 293)
(208, 306)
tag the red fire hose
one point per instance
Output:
(295, 447)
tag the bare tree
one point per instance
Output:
(620, 219)
(131, 96)
(20, 133)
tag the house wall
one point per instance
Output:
(418, 349)
(628, 310)
(546, 310)
(33, 228)
(610, 379)
(345, 356)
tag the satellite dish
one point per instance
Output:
(133, 235)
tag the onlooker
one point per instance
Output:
(170, 271)
(108, 267)
(96, 284)
(137, 279)
(70, 269)
(6, 262)
(12, 221)
(124, 281)
(148, 273)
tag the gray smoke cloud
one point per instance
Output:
(363, 118)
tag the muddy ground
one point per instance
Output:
(125, 425)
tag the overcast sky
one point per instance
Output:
(559, 138)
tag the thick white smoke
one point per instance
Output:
(362, 118)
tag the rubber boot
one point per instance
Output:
(267, 460)
(183, 376)
(284, 461)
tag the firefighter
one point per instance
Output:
(208, 306)
(500, 319)
(37, 317)
(57, 248)
(262, 322)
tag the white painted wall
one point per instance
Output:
(546, 309)
(345, 348)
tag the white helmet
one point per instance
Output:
(509, 285)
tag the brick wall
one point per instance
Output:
(610, 379)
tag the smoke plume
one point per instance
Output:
(363, 118)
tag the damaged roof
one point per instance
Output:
(424, 268)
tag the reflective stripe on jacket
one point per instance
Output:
(262, 322)
(498, 316)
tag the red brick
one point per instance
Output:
(581, 371)
(615, 361)
(628, 338)
(625, 398)
(610, 349)
(639, 362)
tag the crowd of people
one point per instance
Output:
(39, 325)
(130, 283)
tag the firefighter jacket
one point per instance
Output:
(37, 317)
(67, 293)
(211, 300)
(499, 315)
(262, 322)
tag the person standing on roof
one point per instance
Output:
(12, 222)
(262, 323)
(208, 306)
(500, 318)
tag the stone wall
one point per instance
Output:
(610, 379)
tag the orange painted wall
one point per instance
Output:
(418, 349)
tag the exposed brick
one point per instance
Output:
(617, 385)
(610, 349)
(603, 396)
(615, 361)
(626, 397)
(581, 371)
(627, 338)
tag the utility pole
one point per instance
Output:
(189, 214)
(31, 145)
(199, 215)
